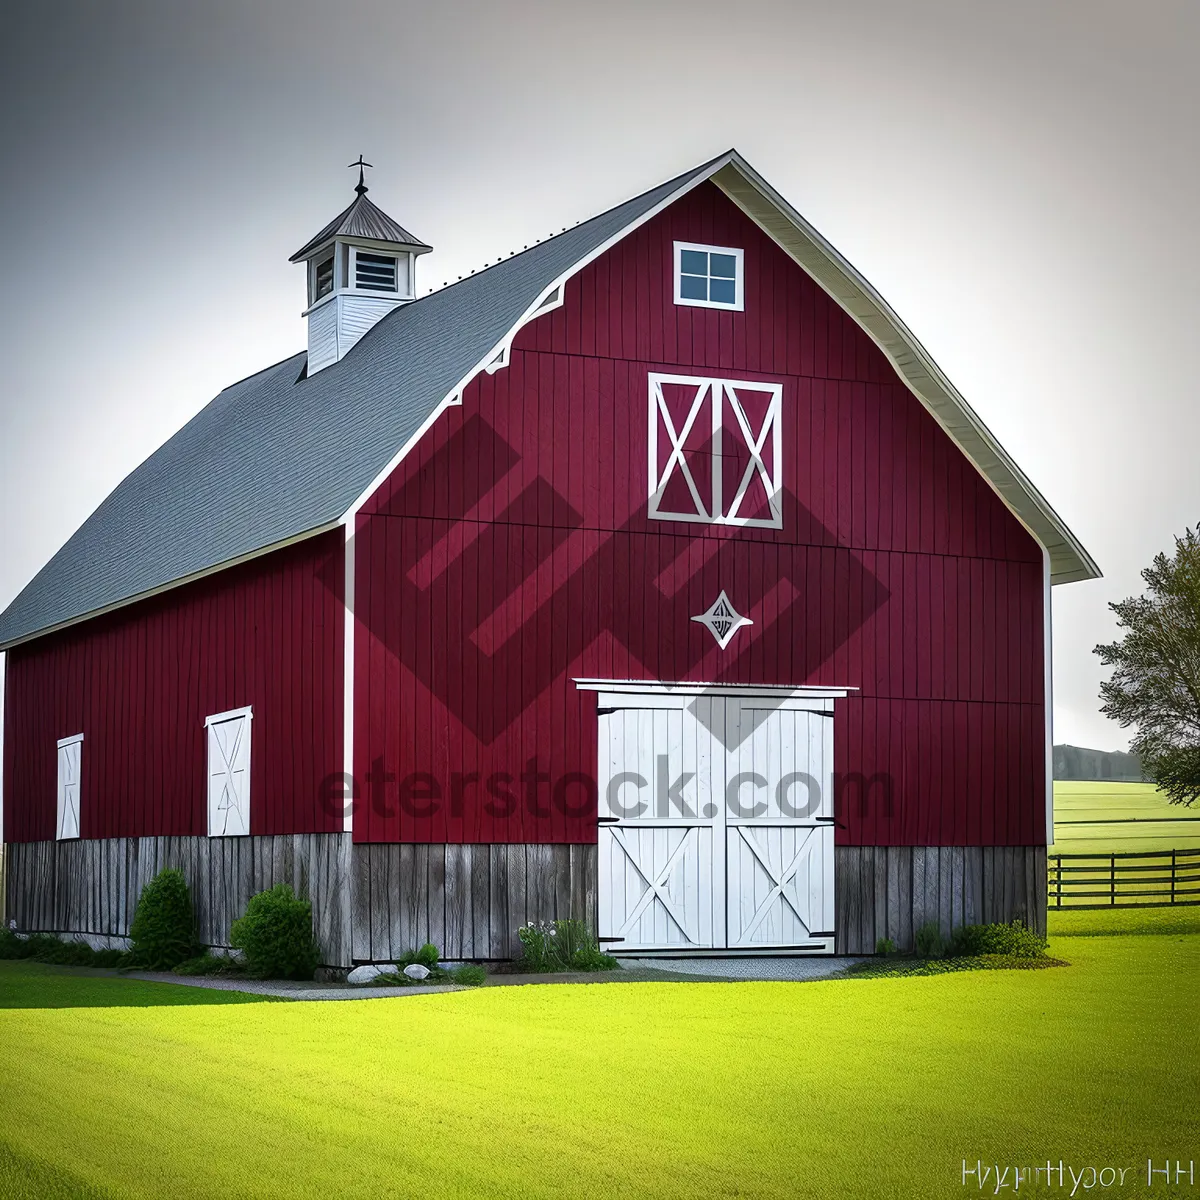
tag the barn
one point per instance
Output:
(654, 575)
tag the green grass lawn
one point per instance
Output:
(846, 1088)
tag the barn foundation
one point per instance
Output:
(371, 902)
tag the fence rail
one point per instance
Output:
(1129, 879)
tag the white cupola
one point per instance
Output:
(360, 267)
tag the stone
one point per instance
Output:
(416, 971)
(361, 976)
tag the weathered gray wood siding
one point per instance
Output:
(371, 902)
(891, 891)
(92, 886)
(468, 900)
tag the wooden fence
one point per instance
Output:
(1130, 879)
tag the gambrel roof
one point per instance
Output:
(280, 456)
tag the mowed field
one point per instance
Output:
(1108, 818)
(844, 1088)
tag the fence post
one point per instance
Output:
(1112, 879)
(1058, 880)
(1172, 876)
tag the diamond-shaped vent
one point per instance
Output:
(722, 620)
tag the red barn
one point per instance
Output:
(654, 576)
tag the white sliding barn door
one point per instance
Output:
(716, 825)
(229, 774)
(658, 837)
(779, 831)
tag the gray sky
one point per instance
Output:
(1018, 180)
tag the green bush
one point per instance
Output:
(12, 946)
(929, 941)
(469, 974)
(42, 946)
(110, 958)
(163, 933)
(885, 946)
(68, 954)
(276, 935)
(1015, 940)
(561, 946)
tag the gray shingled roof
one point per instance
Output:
(277, 456)
(361, 219)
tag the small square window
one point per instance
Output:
(709, 276)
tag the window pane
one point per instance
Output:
(724, 265)
(722, 291)
(324, 278)
(692, 287)
(693, 262)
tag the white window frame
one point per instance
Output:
(766, 461)
(739, 277)
(233, 714)
(63, 831)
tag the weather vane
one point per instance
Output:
(361, 188)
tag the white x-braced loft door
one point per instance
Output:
(716, 822)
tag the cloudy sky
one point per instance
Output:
(1019, 180)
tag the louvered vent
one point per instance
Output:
(375, 272)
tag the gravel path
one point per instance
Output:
(632, 970)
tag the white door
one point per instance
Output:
(779, 826)
(715, 822)
(229, 774)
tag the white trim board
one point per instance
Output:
(232, 715)
(772, 691)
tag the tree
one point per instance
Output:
(1156, 681)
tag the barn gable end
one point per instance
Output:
(512, 552)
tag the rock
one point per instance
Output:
(361, 976)
(416, 971)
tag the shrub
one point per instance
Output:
(468, 974)
(885, 946)
(68, 954)
(538, 952)
(109, 958)
(1015, 940)
(163, 933)
(276, 935)
(12, 946)
(592, 958)
(929, 941)
(427, 956)
(561, 946)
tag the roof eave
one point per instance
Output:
(1069, 560)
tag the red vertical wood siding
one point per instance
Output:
(512, 551)
(139, 683)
